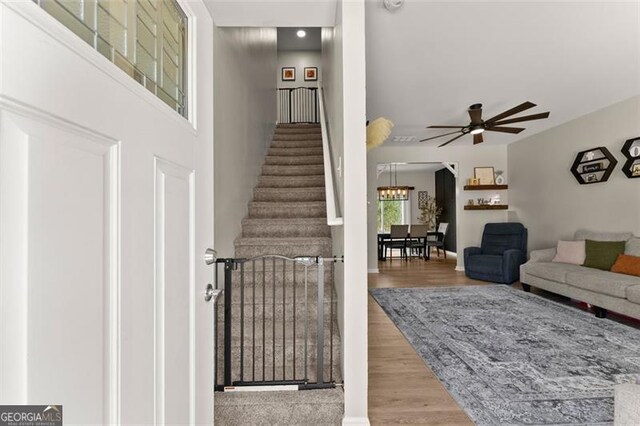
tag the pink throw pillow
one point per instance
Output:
(570, 252)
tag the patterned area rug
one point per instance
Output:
(514, 358)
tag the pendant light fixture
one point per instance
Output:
(394, 192)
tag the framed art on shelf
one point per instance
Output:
(485, 175)
(288, 74)
(311, 74)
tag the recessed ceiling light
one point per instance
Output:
(301, 33)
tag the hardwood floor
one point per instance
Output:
(402, 389)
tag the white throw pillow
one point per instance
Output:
(632, 247)
(570, 252)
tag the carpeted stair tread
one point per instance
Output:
(265, 209)
(289, 194)
(297, 144)
(292, 170)
(281, 152)
(247, 247)
(294, 160)
(291, 181)
(319, 407)
(294, 227)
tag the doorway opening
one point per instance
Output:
(430, 201)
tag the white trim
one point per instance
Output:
(47, 23)
(332, 212)
(373, 271)
(459, 268)
(348, 421)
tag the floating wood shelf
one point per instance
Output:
(484, 187)
(487, 207)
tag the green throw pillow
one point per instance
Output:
(602, 254)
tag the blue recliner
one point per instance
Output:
(498, 259)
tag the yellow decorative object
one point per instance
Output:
(378, 131)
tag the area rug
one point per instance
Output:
(514, 358)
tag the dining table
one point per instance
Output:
(386, 236)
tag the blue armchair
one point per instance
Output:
(502, 251)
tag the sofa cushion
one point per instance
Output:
(570, 252)
(602, 236)
(485, 264)
(632, 247)
(633, 293)
(625, 264)
(551, 271)
(602, 254)
(603, 282)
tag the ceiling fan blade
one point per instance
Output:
(445, 127)
(439, 136)
(475, 112)
(505, 129)
(451, 140)
(520, 119)
(477, 138)
(522, 107)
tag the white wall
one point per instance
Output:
(547, 198)
(467, 156)
(245, 61)
(331, 82)
(298, 59)
(343, 65)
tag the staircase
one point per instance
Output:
(286, 217)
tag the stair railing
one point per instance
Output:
(334, 217)
(279, 354)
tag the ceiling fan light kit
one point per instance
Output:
(478, 126)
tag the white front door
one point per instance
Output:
(106, 209)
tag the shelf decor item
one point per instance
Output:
(485, 175)
(593, 166)
(288, 74)
(631, 151)
(499, 178)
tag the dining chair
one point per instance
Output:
(418, 240)
(438, 242)
(397, 240)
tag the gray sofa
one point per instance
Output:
(604, 290)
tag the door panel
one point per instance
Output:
(174, 284)
(106, 206)
(67, 285)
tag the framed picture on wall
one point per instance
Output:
(485, 175)
(311, 74)
(288, 74)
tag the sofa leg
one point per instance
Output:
(526, 288)
(600, 312)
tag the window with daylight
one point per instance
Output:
(147, 39)
(392, 213)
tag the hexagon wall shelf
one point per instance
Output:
(631, 151)
(593, 166)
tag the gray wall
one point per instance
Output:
(245, 61)
(298, 59)
(546, 197)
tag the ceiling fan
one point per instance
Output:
(495, 124)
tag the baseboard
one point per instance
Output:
(359, 421)
(459, 268)
(373, 271)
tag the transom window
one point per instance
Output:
(147, 39)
